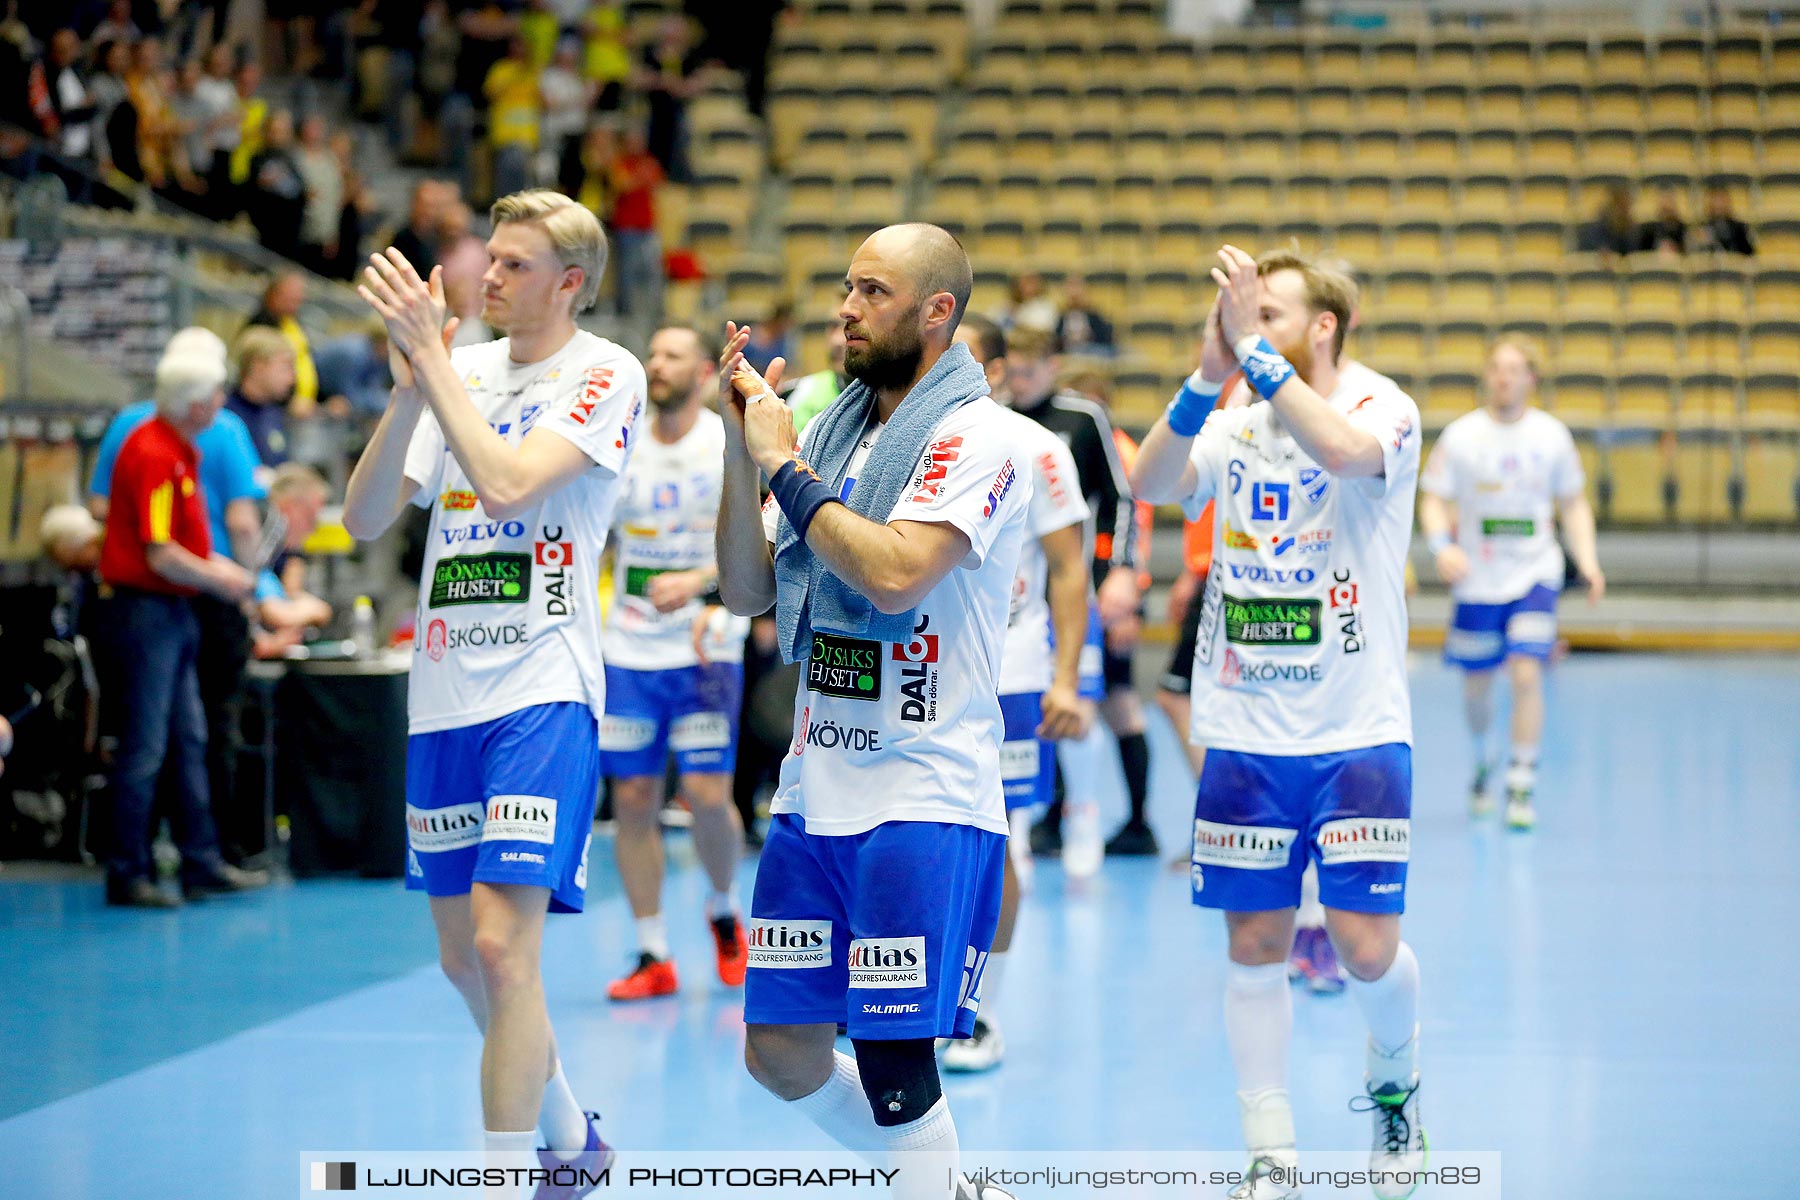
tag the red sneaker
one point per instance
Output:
(652, 977)
(733, 949)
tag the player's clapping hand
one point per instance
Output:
(1452, 565)
(738, 381)
(413, 309)
(401, 370)
(1217, 363)
(768, 422)
(1240, 299)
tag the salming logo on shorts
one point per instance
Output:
(1019, 760)
(626, 733)
(1365, 839)
(700, 731)
(788, 945)
(1251, 847)
(973, 965)
(887, 962)
(520, 819)
(434, 830)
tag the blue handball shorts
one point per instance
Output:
(692, 711)
(1482, 636)
(1258, 818)
(507, 801)
(1027, 764)
(886, 931)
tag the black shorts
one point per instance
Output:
(1179, 678)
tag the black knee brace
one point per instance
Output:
(899, 1078)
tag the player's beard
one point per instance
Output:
(1300, 357)
(665, 395)
(889, 362)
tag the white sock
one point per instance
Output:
(1522, 773)
(653, 936)
(1259, 1024)
(509, 1150)
(722, 904)
(1018, 847)
(933, 1134)
(1390, 1004)
(991, 976)
(561, 1120)
(841, 1109)
(1312, 913)
(1083, 762)
(1268, 1122)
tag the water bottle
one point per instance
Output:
(362, 627)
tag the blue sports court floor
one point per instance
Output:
(1608, 1002)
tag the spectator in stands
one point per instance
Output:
(1613, 232)
(355, 215)
(71, 539)
(773, 338)
(281, 311)
(418, 238)
(606, 58)
(1721, 230)
(1665, 233)
(157, 553)
(252, 113)
(76, 109)
(594, 187)
(1080, 329)
(739, 34)
(114, 112)
(567, 98)
(283, 605)
(396, 27)
(671, 73)
(265, 368)
(485, 28)
(191, 136)
(464, 254)
(117, 26)
(277, 197)
(323, 175)
(354, 365)
(540, 25)
(515, 106)
(636, 176)
(1031, 307)
(148, 85)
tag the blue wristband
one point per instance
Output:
(1265, 369)
(801, 494)
(1188, 411)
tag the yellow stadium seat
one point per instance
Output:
(1397, 342)
(1358, 241)
(1776, 292)
(1643, 400)
(1708, 400)
(1460, 346)
(1530, 296)
(1586, 345)
(1781, 103)
(1578, 397)
(1655, 294)
(1680, 58)
(1738, 57)
(1592, 294)
(1771, 474)
(1445, 103)
(1367, 197)
(1394, 58)
(1589, 453)
(1272, 104)
(1405, 294)
(1718, 294)
(1638, 477)
(1508, 60)
(1772, 401)
(1775, 347)
(1477, 245)
(1649, 345)
(1170, 290)
(1703, 479)
(1613, 148)
(1470, 294)
(1435, 148)
(1500, 105)
(1338, 61)
(1264, 150)
(1669, 103)
(1452, 61)
(1553, 149)
(1623, 59)
(1180, 241)
(1136, 198)
(1737, 104)
(1618, 103)
(1063, 243)
(1321, 150)
(1565, 60)
(1148, 150)
(1385, 107)
(1190, 197)
(1484, 199)
(1018, 192)
(1309, 197)
(1712, 345)
(1245, 195)
(1544, 196)
(1779, 241)
(1076, 195)
(1001, 240)
(1447, 396)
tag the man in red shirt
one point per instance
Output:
(156, 554)
(636, 176)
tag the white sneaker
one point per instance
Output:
(969, 1189)
(982, 1052)
(1265, 1171)
(1399, 1149)
(1083, 850)
(1520, 815)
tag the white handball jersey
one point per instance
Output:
(1505, 480)
(668, 506)
(911, 731)
(1027, 663)
(1302, 639)
(509, 612)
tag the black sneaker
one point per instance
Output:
(1046, 839)
(1134, 840)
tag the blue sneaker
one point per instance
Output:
(584, 1173)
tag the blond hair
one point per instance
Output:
(67, 526)
(1326, 289)
(296, 479)
(574, 232)
(258, 344)
(1527, 347)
